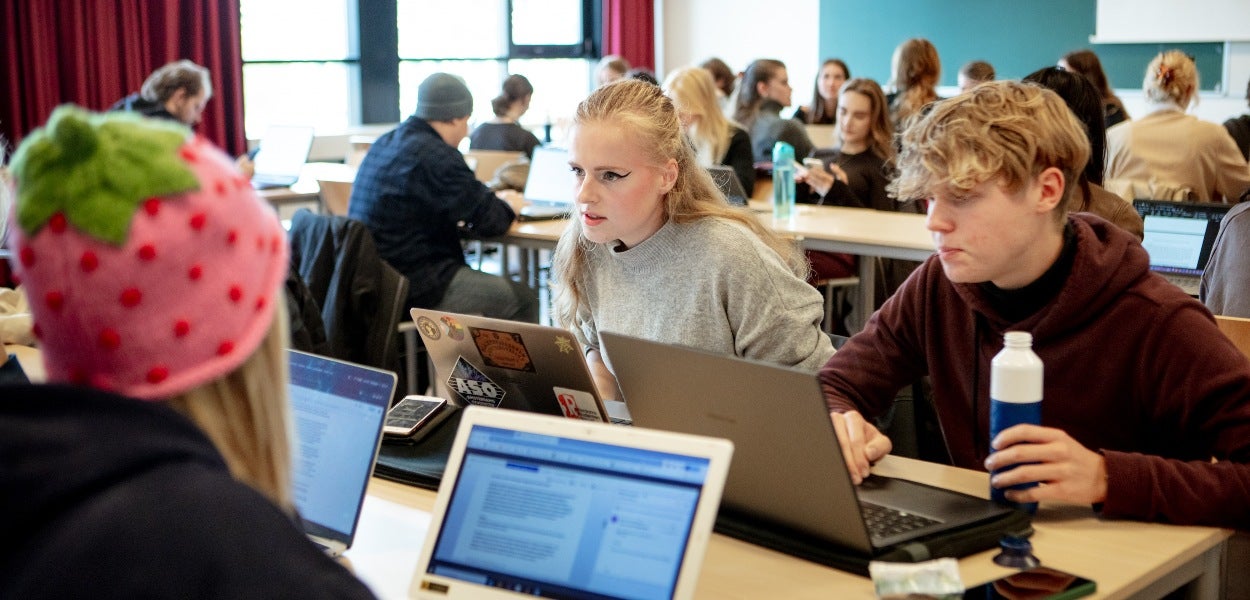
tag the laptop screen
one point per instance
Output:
(1179, 235)
(550, 181)
(283, 152)
(551, 516)
(728, 183)
(338, 409)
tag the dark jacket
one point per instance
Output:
(416, 196)
(1239, 128)
(107, 497)
(147, 108)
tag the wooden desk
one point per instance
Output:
(1126, 559)
(30, 359)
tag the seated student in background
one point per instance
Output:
(1086, 63)
(504, 132)
(416, 195)
(764, 91)
(1089, 196)
(157, 462)
(1225, 285)
(1168, 154)
(1239, 128)
(655, 252)
(726, 82)
(914, 73)
(973, 73)
(823, 109)
(1146, 404)
(611, 68)
(642, 74)
(177, 91)
(716, 139)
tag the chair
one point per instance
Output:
(486, 162)
(335, 196)
(834, 289)
(357, 148)
(1238, 331)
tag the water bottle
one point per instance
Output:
(783, 180)
(1015, 396)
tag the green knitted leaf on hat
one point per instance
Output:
(97, 169)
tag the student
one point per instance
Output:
(973, 73)
(1169, 150)
(914, 74)
(726, 80)
(416, 194)
(611, 68)
(1225, 285)
(655, 252)
(642, 74)
(823, 109)
(1089, 196)
(156, 463)
(717, 140)
(1146, 404)
(1086, 63)
(504, 132)
(1239, 128)
(177, 91)
(765, 90)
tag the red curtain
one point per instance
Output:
(629, 31)
(93, 53)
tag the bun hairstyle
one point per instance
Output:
(515, 89)
(1171, 77)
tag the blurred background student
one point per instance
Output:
(505, 132)
(1086, 63)
(717, 140)
(611, 68)
(973, 73)
(726, 82)
(914, 73)
(764, 91)
(177, 91)
(823, 109)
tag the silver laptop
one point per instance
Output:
(338, 409)
(728, 183)
(550, 187)
(281, 155)
(1179, 237)
(788, 467)
(508, 364)
(534, 505)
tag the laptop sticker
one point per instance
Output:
(455, 330)
(428, 328)
(472, 386)
(564, 345)
(502, 349)
(577, 404)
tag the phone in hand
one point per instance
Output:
(1038, 583)
(812, 163)
(414, 416)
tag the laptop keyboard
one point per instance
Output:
(1188, 283)
(884, 521)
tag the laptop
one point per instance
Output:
(534, 505)
(338, 409)
(281, 155)
(550, 187)
(788, 468)
(728, 183)
(508, 364)
(1179, 237)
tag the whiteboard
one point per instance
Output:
(1136, 21)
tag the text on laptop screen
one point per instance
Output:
(1179, 236)
(338, 409)
(563, 518)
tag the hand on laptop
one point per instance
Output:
(513, 198)
(1067, 470)
(862, 443)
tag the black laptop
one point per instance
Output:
(1179, 237)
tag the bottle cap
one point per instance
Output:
(783, 154)
(1017, 553)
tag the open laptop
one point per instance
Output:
(534, 505)
(338, 409)
(550, 187)
(1179, 237)
(728, 183)
(281, 155)
(508, 364)
(788, 468)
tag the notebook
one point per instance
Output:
(534, 505)
(728, 183)
(788, 467)
(1179, 237)
(338, 409)
(508, 364)
(550, 187)
(281, 155)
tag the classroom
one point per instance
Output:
(595, 299)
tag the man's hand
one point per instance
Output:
(862, 443)
(1066, 470)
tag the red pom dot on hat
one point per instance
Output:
(57, 223)
(157, 374)
(147, 252)
(225, 348)
(221, 188)
(130, 297)
(54, 299)
(109, 339)
(27, 256)
(152, 206)
(232, 237)
(195, 272)
(236, 293)
(197, 221)
(182, 328)
(88, 261)
(188, 153)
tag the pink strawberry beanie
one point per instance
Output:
(151, 265)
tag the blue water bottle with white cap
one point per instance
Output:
(783, 180)
(1015, 396)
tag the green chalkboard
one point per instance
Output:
(1016, 37)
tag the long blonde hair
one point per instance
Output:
(245, 414)
(648, 115)
(693, 89)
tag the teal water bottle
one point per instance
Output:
(1015, 396)
(783, 180)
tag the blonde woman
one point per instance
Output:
(716, 139)
(653, 250)
(1168, 154)
(157, 461)
(914, 73)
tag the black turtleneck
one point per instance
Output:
(1020, 304)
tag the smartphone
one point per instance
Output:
(813, 163)
(414, 416)
(1038, 583)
